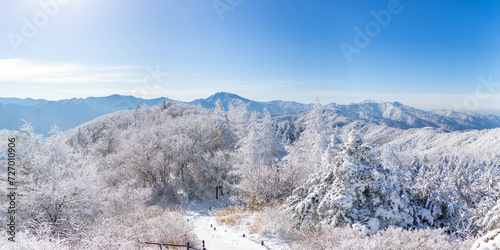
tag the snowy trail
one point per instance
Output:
(226, 237)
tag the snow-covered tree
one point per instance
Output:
(353, 189)
(450, 193)
(257, 159)
(165, 103)
(180, 152)
(305, 153)
(288, 131)
(238, 117)
(219, 112)
(62, 188)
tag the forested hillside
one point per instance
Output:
(126, 177)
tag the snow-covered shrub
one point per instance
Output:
(230, 216)
(273, 220)
(127, 231)
(353, 189)
(391, 238)
(491, 219)
(145, 224)
(26, 240)
(326, 238)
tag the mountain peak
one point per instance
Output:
(273, 107)
(370, 101)
(226, 96)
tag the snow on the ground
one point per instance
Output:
(225, 237)
(490, 241)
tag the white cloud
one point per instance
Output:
(20, 70)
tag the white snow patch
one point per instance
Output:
(491, 241)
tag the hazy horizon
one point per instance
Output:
(480, 111)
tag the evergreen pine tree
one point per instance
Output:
(353, 189)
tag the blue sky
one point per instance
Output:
(421, 53)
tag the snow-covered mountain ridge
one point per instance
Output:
(66, 114)
(70, 113)
(395, 114)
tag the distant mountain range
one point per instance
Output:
(67, 114)
(397, 115)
